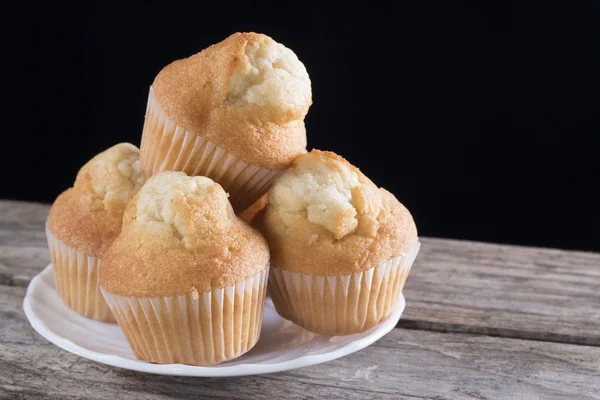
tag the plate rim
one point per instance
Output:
(305, 360)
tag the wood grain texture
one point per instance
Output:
(508, 291)
(454, 286)
(23, 246)
(405, 364)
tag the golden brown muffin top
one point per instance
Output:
(181, 236)
(325, 217)
(248, 94)
(88, 215)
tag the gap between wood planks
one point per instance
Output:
(411, 324)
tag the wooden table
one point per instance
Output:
(483, 321)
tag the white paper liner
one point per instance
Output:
(76, 276)
(196, 329)
(340, 305)
(168, 147)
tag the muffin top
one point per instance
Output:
(88, 215)
(181, 236)
(325, 217)
(248, 94)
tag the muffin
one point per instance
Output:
(341, 248)
(186, 279)
(85, 219)
(233, 112)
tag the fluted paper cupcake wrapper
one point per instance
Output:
(343, 304)
(76, 276)
(196, 329)
(169, 147)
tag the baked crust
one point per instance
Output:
(181, 236)
(247, 94)
(88, 215)
(333, 245)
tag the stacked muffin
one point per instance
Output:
(186, 279)
(233, 112)
(341, 248)
(151, 239)
(85, 219)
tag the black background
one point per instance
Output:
(482, 119)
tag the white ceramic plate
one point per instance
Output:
(282, 345)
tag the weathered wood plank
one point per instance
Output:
(405, 364)
(508, 291)
(23, 246)
(455, 286)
